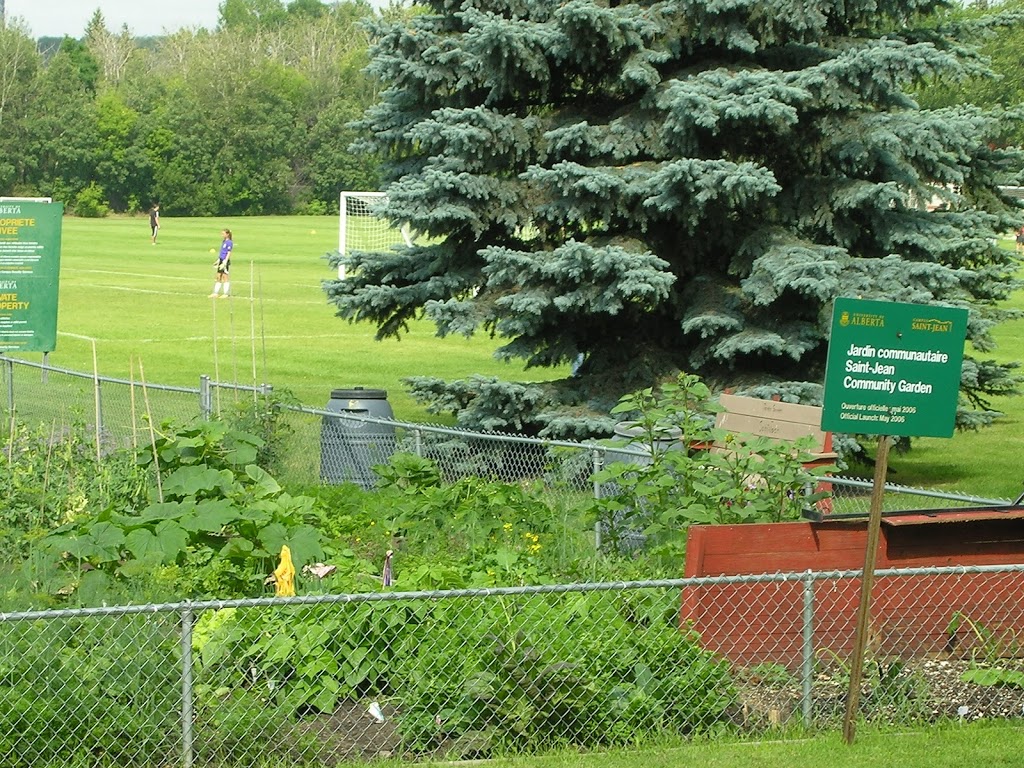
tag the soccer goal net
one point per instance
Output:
(362, 228)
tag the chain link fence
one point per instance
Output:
(323, 680)
(318, 445)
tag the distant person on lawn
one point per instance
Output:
(1020, 240)
(154, 221)
(223, 265)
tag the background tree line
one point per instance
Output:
(249, 118)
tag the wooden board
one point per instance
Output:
(770, 418)
(911, 616)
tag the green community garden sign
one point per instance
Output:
(29, 271)
(893, 369)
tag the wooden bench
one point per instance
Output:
(787, 422)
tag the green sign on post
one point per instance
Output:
(893, 369)
(29, 273)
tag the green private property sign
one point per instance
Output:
(29, 271)
(893, 369)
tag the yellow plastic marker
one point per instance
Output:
(284, 575)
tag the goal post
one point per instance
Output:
(361, 228)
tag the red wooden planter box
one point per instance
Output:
(911, 616)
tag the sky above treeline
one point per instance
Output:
(56, 18)
(145, 18)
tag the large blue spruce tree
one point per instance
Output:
(678, 185)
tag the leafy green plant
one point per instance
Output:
(695, 473)
(988, 651)
(582, 670)
(51, 476)
(262, 416)
(408, 473)
(303, 659)
(223, 517)
(501, 532)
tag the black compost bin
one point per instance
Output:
(629, 434)
(352, 443)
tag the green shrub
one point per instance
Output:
(91, 202)
(218, 517)
(579, 670)
(102, 686)
(49, 478)
(109, 688)
(682, 480)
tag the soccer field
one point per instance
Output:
(148, 304)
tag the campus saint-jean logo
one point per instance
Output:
(931, 325)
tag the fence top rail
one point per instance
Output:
(94, 377)
(808, 576)
(597, 447)
(259, 389)
(851, 482)
(466, 433)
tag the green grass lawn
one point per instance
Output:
(984, 745)
(147, 305)
(986, 462)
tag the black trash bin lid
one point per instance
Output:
(358, 393)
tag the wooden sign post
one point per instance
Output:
(893, 369)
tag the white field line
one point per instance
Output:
(186, 339)
(235, 285)
(276, 337)
(167, 278)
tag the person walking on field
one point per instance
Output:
(223, 265)
(1020, 240)
(154, 221)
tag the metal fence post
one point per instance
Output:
(186, 687)
(418, 435)
(598, 464)
(99, 418)
(10, 384)
(807, 665)
(205, 398)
